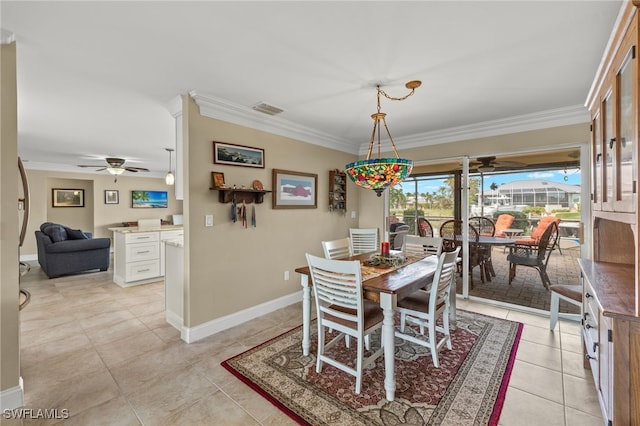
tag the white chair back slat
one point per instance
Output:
(363, 240)
(417, 246)
(337, 249)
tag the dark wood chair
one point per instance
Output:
(536, 257)
(451, 234)
(486, 227)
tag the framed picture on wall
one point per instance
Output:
(237, 155)
(149, 199)
(294, 190)
(67, 197)
(111, 196)
(218, 179)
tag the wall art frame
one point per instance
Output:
(111, 196)
(237, 155)
(294, 190)
(62, 197)
(149, 199)
(217, 179)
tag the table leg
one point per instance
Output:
(387, 302)
(453, 314)
(306, 314)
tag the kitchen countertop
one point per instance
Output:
(134, 229)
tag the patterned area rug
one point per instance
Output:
(467, 389)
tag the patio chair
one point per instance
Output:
(396, 238)
(533, 239)
(504, 221)
(451, 234)
(484, 225)
(421, 246)
(425, 307)
(340, 306)
(337, 249)
(536, 257)
(363, 240)
(424, 227)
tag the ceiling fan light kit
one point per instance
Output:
(381, 173)
(115, 166)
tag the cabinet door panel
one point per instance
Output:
(608, 148)
(626, 136)
(596, 180)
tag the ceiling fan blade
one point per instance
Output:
(88, 165)
(136, 169)
(500, 163)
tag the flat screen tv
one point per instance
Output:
(149, 199)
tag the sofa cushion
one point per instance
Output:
(76, 234)
(56, 232)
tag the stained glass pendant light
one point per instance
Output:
(381, 173)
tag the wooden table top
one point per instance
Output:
(401, 281)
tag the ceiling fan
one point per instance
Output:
(116, 167)
(489, 164)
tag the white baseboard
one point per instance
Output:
(217, 325)
(13, 397)
(28, 257)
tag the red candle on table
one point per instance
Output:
(384, 249)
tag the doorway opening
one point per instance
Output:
(527, 193)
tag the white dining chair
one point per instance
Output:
(363, 240)
(337, 249)
(340, 306)
(421, 246)
(425, 307)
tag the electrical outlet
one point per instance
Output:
(353, 215)
(286, 275)
(208, 220)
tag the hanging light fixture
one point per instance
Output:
(169, 178)
(380, 173)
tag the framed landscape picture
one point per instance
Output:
(149, 199)
(237, 155)
(111, 196)
(67, 197)
(294, 190)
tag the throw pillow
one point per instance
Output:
(76, 234)
(57, 233)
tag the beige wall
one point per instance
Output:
(96, 216)
(9, 317)
(231, 268)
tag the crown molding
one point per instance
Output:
(239, 114)
(174, 106)
(566, 116)
(6, 36)
(220, 109)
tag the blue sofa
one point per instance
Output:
(63, 250)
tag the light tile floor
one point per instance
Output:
(107, 355)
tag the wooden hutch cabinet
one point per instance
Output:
(611, 286)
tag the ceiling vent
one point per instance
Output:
(266, 108)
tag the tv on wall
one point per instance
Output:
(149, 199)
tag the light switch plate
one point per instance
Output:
(208, 220)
